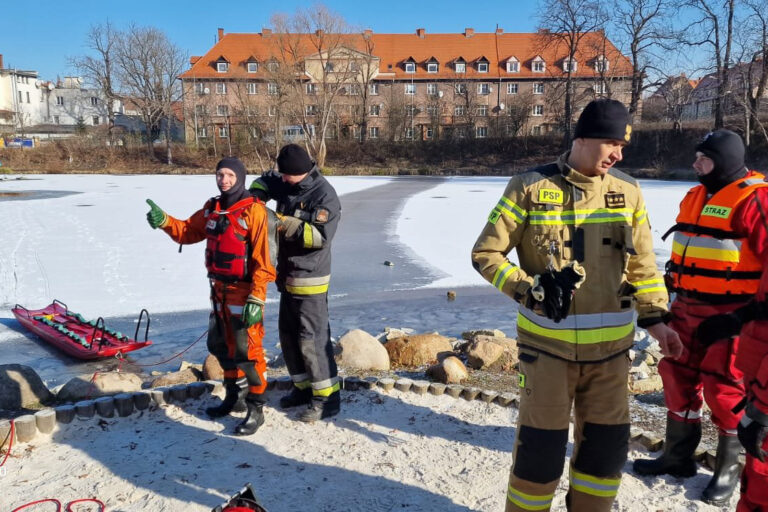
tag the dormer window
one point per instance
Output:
(432, 67)
(569, 66)
(329, 67)
(252, 67)
(410, 67)
(601, 64)
(513, 65)
(222, 67)
(482, 67)
(273, 66)
(538, 65)
(460, 65)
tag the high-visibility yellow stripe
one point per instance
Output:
(326, 391)
(649, 286)
(511, 209)
(588, 484)
(641, 216)
(305, 384)
(577, 336)
(502, 274)
(306, 290)
(662, 288)
(529, 501)
(705, 253)
(307, 236)
(570, 217)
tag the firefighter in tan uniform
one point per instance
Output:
(581, 232)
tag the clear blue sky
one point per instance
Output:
(42, 35)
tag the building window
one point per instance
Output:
(222, 110)
(459, 110)
(461, 132)
(311, 110)
(374, 110)
(411, 110)
(20, 98)
(272, 88)
(482, 67)
(311, 89)
(482, 110)
(222, 67)
(601, 64)
(513, 66)
(538, 88)
(432, 110)
(27, 96)
(373, 132)
(409, 133)
(538, 110)
(252, 88)
(329, 67)
(221, 88)
(410, 89)
(56, 120)
(200, 88)
(272, 110)
(59, 100)
(94, 101)
(253, 67)
(511, 88)
(600, 88)
(461, 67)
(432, 89)
(432, 67)
(223, 132)
(201, 109)
(202, 132)
(354, 90)
(461, 88)
(569, 65)
(95, 120)
(536, 130)
(410, 67)
(539, 66)
(273, 66)
(483, 88)
(429, 133)
(481, 132)
(373, 89)
(352, 65)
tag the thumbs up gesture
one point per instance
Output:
(155, 216)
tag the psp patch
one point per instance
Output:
(550, 196)
(614, 200)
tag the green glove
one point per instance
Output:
(155, 216)
(253, 311)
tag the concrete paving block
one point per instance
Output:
(454, 390)
(386, 384)
(26, 428)
(634, 434)
(437, 388)
(5, 430)
(651, 442)
(124, 404)
(105, 406)
(160, 396)
(65, 414)
(141, 399)
(178, 392)
(403, 384)
(85, 409)
(488, 395)
(420, 387)
(369, 382)
(46, 420)
(507, 399)
(284, 383)
(352, 383)
(470, 393)
(196, 389)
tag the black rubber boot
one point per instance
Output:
(727, 471)
(255, 417)
(296, 398)
(234, 399)
(679, 446)
(322, 407)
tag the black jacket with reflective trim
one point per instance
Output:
(313, 201)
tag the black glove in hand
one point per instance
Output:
(753, 429)
(554, 290)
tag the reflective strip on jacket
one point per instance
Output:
(710, 261)
(552, 215)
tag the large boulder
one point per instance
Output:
(417, 349)
(111, 383)
(362, 351)
(186, 376)
(212, 370)
(450, 371)
(468, 335)
(492, 352)
(21, 387)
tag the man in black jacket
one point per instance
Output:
(309, 212)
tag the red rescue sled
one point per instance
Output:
(77, 336)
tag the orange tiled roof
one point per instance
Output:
(394, 49)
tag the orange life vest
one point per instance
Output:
(227, 247)
(710, 261)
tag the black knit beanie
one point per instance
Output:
(238, 191)
(604, 119)
(294, 160)
(726, 150)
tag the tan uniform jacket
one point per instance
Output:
(552, 215)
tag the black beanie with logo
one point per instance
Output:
(238, 190)
(726, 149)
(604, 119)
(294, 160)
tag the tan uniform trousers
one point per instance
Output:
(548, 387)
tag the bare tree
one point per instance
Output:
(517, 112)
(757, 66)
(563, 24)
(99, 67)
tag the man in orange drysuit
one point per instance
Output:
(238, 257)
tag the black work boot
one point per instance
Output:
(727, 471)
(255, 417)
(296, 397)
(234, 399)
(679, 446)
(322, 407)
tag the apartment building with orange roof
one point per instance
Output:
(415, 86)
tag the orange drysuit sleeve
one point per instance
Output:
(260, 264)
